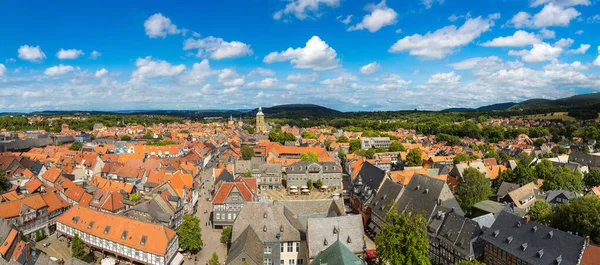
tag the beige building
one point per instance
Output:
(260, 121)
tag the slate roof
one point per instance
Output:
(527, 240)
(422, 195)
(585, 159)
(371, 177)
(505, 188)
(382, 202)
(322, 232)
(337, 254)
(551, 195)
(249, 244)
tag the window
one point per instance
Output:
(267, 261)
(292, 262)
(281, 261)
(300, 262)
(267, 250)
(290, 246)
(298, 247)
(281, 248)
(243, 259)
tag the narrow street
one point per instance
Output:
(210, 237)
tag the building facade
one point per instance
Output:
(260, 121)
(299, 173)
(375, 142)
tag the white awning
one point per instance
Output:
(324, 187)
(177, 260)
(304, 187)
(305, 190)
(293, 187)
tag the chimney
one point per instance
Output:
(526, 218)
(587, 241)
(439, 202)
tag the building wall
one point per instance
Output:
(298, 254)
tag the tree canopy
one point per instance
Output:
(462, 157)
(413, 158)
(592, 179)
(276, 135)
(75, 146)
(247, 152)
(226, 234)
(564, 178)
(214, 259)
(78, 247)
(190, 233)
(541, 211)
(403, 240)
(472, 188)
(308, 135)
(396, 146)
(309, 156)
(580, 215)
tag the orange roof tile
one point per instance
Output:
(8, 242)
(13, 208)
(32, 185)
(52, 174)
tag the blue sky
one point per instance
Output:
(348, 55)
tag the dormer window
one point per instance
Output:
(91, 225)
(124, 234)
(509, 239)
(106, 229)
(143, 240)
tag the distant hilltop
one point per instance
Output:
(296, 109)
(577, 102)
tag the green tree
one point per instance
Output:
(226, 235)
(125, 138)
(461, 157)
(354, 146)
(319, 183)
(543, 170)
(247, 152)
(341, 155)
(148, 135)
(370, 153)
(78, 247)
(309, 183)
(564, 178)
(136, 197)
(4, 182)
(396, 146)
(453, 140)
(580, 215)
(308, 135)
(309, 156)
(403, 240)
(472, 188)
(541, 211)
(249, 129)
(592, 179)
(248, 174)
(190, 233)
(214, 259)
(75, 146)
(343, 139)
(413, 158)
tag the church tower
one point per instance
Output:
(260, 121)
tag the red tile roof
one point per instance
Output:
(591, 256)
(32, 185)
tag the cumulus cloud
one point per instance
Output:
(2, 70)
(380, 16)
(312, 77)
(265, 83)
(450, 79)
(198, 74)
(316, 55)
(101, 73)
(68, 54)
(438, 44)
(472, 62)
(370, 69)
(158, 25)
(597, 61)
(229, 77)
(547, 34)
(149, 68)
(429, 3)
(540, 52)
(217, 48)
(302, 9)
(58, 70)
(342, 80)
(261, 72)
(552, 15)
(519, 39)
(564, 43)
(31, 53)
(535, 3)
(95, 54)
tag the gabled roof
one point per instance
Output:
(226, 189)
(32, 185)
(13, 208)
(52, 174)
(324, 231)
(337, 253)
(247, 243)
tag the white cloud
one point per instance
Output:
(472, 62)
(95, 54)
(217, 48)
(231, 90)
(290, 86)
(198, 73)
(521, 19)
(11, 60)
(149, 68)
(554, 15)
(31, 53)
(453, 18)
(158, 25)
(301, 9)
(101, 73)
(519, 39)
(58, 70)
(597, 61)
(443, 41)
(229, 77)
(342, 80)
(380, 16)
(68, 54)
(540, 52)
(547, 34)
(564, 43)
(370, 69)
(2, 70)
(261, 72)
(450, 79)
(399, 31)
(312, 77)
(392, 81)
(265, 83)
(316, 55)
(346, 20)
(535, 3)
(429, 3)
(579, 32)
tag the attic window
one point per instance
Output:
(75, 219)
(496, 233)
(143, 241)
(519, 224)
(124, 234)
(265, 228)
(91, 225)
(106, 229)
(418, 186)
(281, 228)
(265, 215)
(540, 253)
(534, 228)
(558, 259)
(335, 230)
(426, 190)
(349, 240)
(550, 234)
(509, 239)
(325, 242)
(524, 246)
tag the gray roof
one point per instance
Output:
(422, 195)
(527, 240)
(496, 207)
(322, 232)
(505, 188)
(325, 167)
(386, 198)
(585, 159)
(247, 243)
(461, 233)
(551, 195)
(485, 221)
